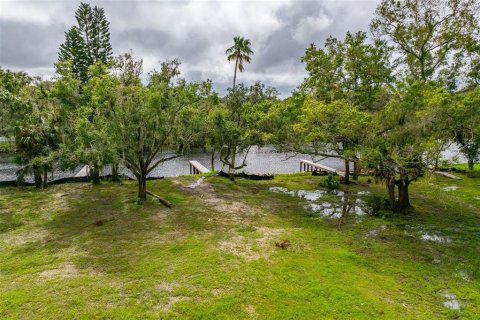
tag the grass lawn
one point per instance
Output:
(78, 251)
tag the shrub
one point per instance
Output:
(473, 174)
(331, 182)
(377, 204)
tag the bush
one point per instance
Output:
(376, 204)
(473, 174)
(331, 182)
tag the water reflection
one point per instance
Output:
(343, 204)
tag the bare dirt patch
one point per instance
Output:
(66, 271)
(226, 210)
(23, 236)
(166, 286)
(252, 313)
(252, 248)
(166, 307)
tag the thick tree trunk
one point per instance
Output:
(390, 183)
(355, 170)
(45, 177)
(37, 177)
(471, 163)
(115, 176)
(347, 172)
(142, 186)
(403, 197)
(95, 174)
(213, 160)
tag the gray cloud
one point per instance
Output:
(25, 44)
(195, 32)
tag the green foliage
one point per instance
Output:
(36, 132)
(464, 124)
(377, 203)
(353, 70)
(12, 106)
(237, 124)
(88, 42)
(430, 35)
(240, 52)
(333, 130)
(331, 182)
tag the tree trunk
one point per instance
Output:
(471, 163)
(403, 197)
(142, 186)
(355, 169)
(403, 201)
(213, 160)
(37, 177)
(115, 176)
(347, 172)
(235, 74)
(232, 164)
(45, 177)
(390, 183)
(95, 174)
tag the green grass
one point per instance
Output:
(7, 147)
(213, 254)
(464, 166)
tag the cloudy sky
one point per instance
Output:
(196, 32)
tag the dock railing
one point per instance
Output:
(197, 168)
(306, 165)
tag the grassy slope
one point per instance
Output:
(213, 256)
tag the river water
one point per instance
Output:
(265, 160)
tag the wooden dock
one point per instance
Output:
(197, 168)
(306, 165)
(84, 172)
(448, 175)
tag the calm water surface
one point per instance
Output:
(265, 160)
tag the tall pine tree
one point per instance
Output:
(88, 42)
(73, 49)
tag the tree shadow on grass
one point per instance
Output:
(105, 229)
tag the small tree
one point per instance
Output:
(333, 130)
(354, 70)
(237, 124)
(398, 141)
(146, 123)
(36, 133)
(12, 104)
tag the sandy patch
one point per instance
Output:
(226, 210)
(171, 303)
(252, 313)
(23, 236)
(166, 286)
(66, 271)
(252, 248)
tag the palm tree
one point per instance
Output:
(240, 52)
